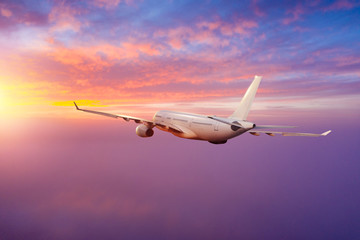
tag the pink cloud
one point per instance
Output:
(226, 28)
(341, 4)
(257, 10)
(209, 25)
(149, 69)
(97, 57)
(121, 72)
(5, 12)
(295, 14)
(176, 36)
(206, 32)
(146, 48)
(12, 14)
(63, 18)
(108, 4)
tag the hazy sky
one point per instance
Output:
(70, 175)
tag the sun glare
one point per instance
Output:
(2, 103)
(1, 100)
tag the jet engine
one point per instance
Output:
(144, 131)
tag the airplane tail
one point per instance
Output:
(243, 109)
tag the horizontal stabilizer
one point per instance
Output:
(272, 126)
(326, 133)
(271, 133)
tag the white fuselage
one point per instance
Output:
(200, 127)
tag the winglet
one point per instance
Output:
(76, 106)
(326, 133)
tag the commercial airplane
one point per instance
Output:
(216, 130)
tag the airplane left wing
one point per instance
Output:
(272, 133)
(126, 118)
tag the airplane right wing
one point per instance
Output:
(272, 133)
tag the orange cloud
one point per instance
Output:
(96, 58)
(135, 48)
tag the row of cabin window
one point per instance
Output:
(182, 120)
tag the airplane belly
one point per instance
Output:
(184, 133)
(199, 128)
(202, 130)
(205, 133)
(225, 132)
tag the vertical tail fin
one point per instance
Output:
(243, 109)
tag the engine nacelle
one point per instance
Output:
(144, 131)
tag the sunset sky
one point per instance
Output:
(65, 173)
(121, 53)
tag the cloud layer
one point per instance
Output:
(146, 51)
